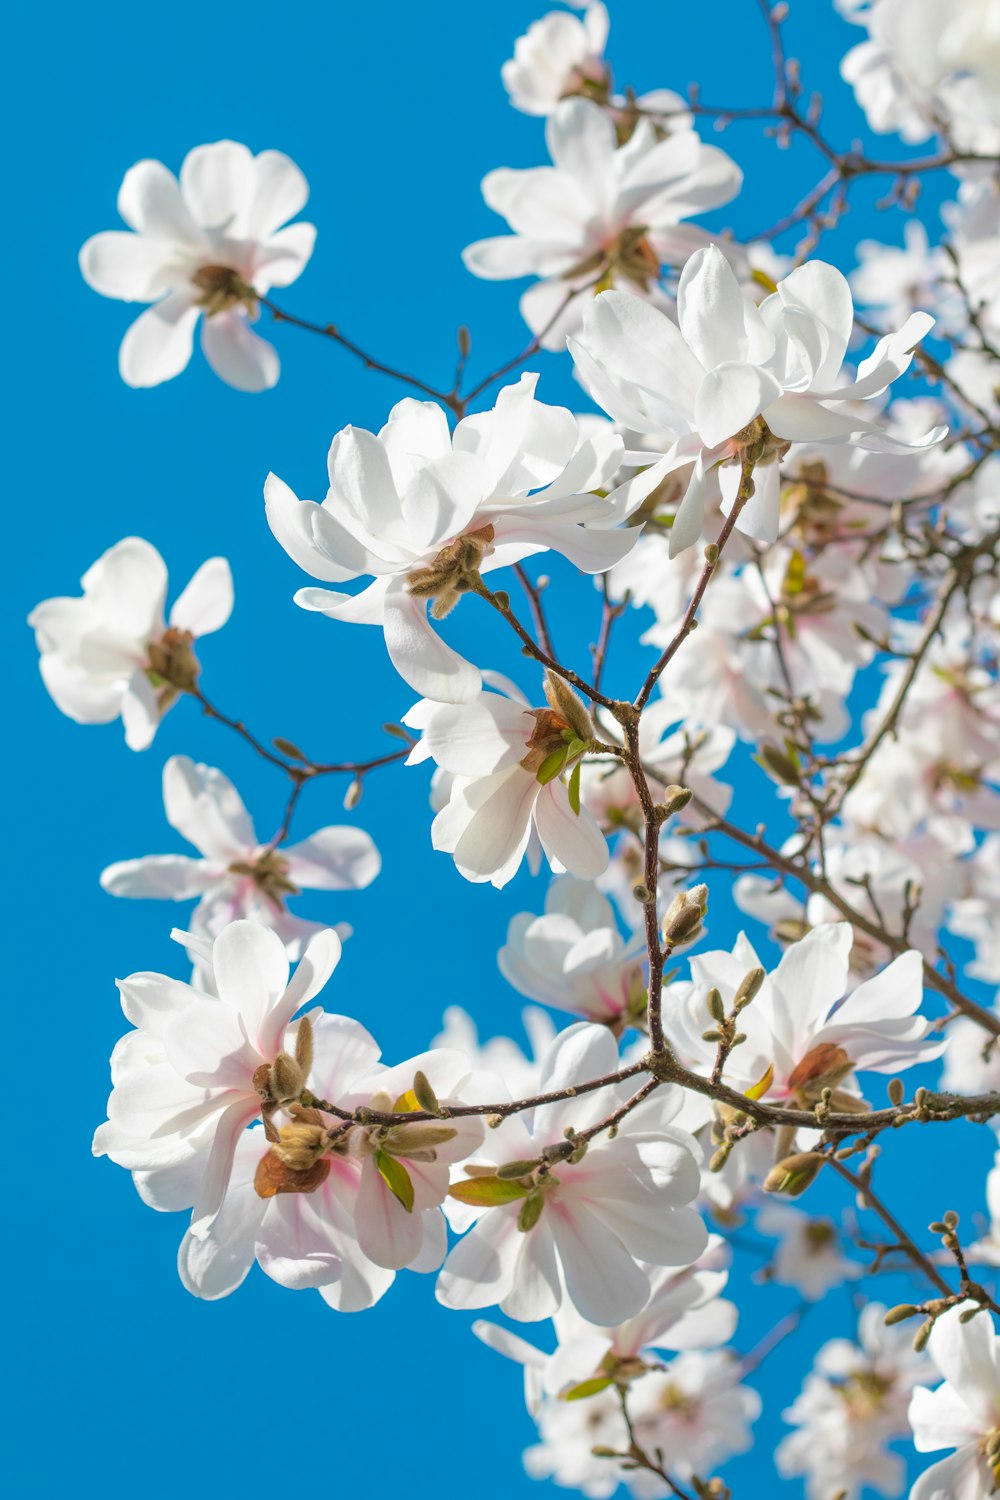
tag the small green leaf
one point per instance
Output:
(487, 1192)
(574, 788)
(586, 1388)
(551, 766)
(396, 1178)
(531, 1211)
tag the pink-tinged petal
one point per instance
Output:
(206, 809)
(603, 1281)
(218, 182)
(212, 1189)
(293, 1245)
(311, 974)
(280, 192)
(251, 971)
(206, 603)
(158, 345)
(333, 859)
(127, 266)
(387, 1234)
(150, 202)
(729, 398)
(239, 356)
(423, 660)
(711, 310)
(162, 877)
(572, 840)
(536, 1290)
(480, 1269)
(215, 1264)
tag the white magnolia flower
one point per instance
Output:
(602, 215)
(986, 1251)
(802, 1036)
(112, 654)
(494, 750)
(854, 1403)
(809, 1256)
(558, 55)
(898, 281)
(702, 389)
(582, 1229)
(685, 1311)
(188, 1077)
(695, 1411)
(963, 1413)
(423, 511)
(574, 957)
(237, 875)
(971, 1063)
(202, 247)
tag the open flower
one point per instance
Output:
(559, 55)
(963, 1413)
(580, 1221)
(111, 654)
(424, 512)
(735, 381)
(237, 876)
(199, 1068)
(506, 793)
(602, 215)
(205, 247)
(574, 957)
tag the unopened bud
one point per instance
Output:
(424, 1094)
(793, 1175)
(684, 915)
(748, 988)
(674, 798)
(531, 1210)
(900, 1313)
(562, 700)
(779, 763)
(285, 1080)
(353, 794)
(713, 1001)
(512, 1170)
(921, 1336)
(896, 1091)
(464, 341)
(304, 1046)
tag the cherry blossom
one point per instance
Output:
(111, 654)
(238, 876)
(703, 389)
(206, 245)
(602, 215)
(425, 512)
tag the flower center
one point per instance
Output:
(269, 873)
(222, 288)
(453, 572)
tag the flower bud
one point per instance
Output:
(900, 1313)
(713, 1001)
(684, 915)
(674, 798)
(794, 1174)
(424, 1094)
(531, 1211)
(748, 988)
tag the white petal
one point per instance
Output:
(239, 356)
(158, 345)
(207, 602)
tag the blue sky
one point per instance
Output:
(123, 1381)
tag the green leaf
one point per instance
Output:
(551, 766)
(487, 1192)
(574, 788)
(396, 1178)
(592, 1387)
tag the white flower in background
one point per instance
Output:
(703, 389)
(423, 511)
(963, 1413)
(580, 1229)
(189, 1077)
(801, 1034)
(574, 957)
(854, 1403)
(898, 281)
(685, 1311)
(495, 750)
(111, 654)
(974, 915)
(557, 56)
(501, 1056)
(809, 1257)
(695, 1411)
(602, 215)
(237, 875)
(685, 755)
(971, 1063)
(986, 1251)
(202, 247)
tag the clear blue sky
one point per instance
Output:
(124, 1383)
